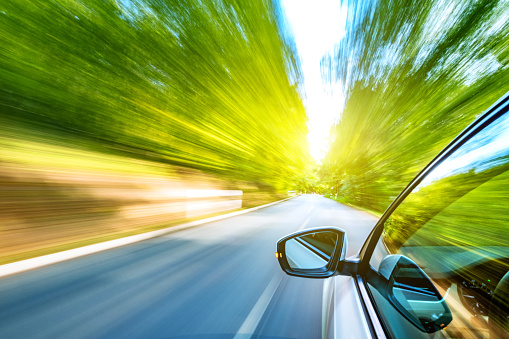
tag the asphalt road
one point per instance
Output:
(219, 280)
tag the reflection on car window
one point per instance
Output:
(455, 226)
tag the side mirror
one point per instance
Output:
(413, 294)
(313, 253)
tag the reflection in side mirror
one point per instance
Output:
(313, 253)
(413, 294)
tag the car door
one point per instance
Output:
(437, 263)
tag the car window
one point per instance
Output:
(455, 226)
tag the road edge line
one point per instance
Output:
(54, 258)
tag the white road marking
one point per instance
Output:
(253, 319)
(249, 325)
(305, 223)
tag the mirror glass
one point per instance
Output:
(416, 294)
(311, 251)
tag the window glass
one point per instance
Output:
(455, 227)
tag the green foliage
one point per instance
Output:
(415, 74)
(309, 181)
(209, 85)
(451, 210)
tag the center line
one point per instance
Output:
(249, 325)
(253, 319)
(305, 223)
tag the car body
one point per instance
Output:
(436, 264)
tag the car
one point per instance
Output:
(436, 264)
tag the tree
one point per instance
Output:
(415, 74)
(208, 85)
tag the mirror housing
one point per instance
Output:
(313, 253)
(413, 294)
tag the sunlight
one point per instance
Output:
(317, 28)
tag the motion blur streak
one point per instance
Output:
(212, 281)
(415, 74)
(111, 111)
(45, 210)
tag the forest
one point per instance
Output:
(212, 86)
(120, 117)
(117, 115)
(414, 75)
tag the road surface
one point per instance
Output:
(219, 280)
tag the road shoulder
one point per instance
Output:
(49, 259)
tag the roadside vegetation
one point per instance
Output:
(210, 85)
(414, 74)
(106, 107)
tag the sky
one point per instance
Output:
(317, 27)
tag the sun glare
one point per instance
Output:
(317, 28)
